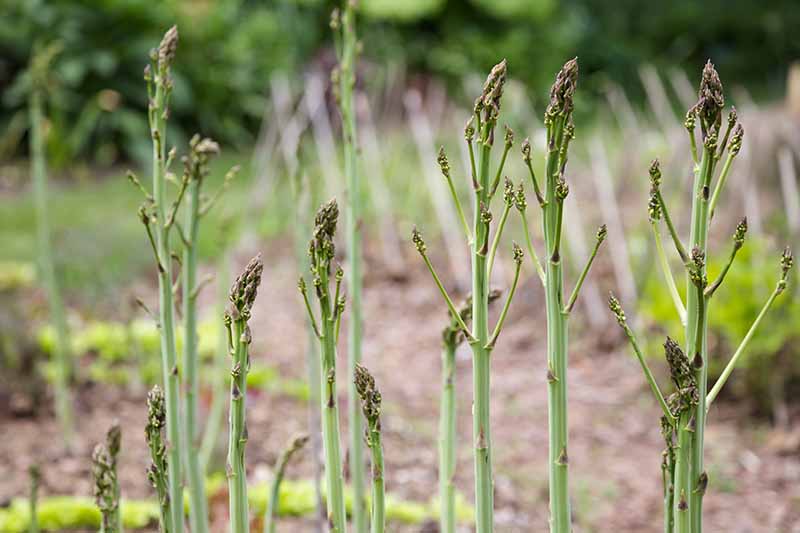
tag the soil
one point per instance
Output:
(615, 447)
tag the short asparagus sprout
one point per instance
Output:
(371, 407)
(321, 250)
(296, 444)
(106, 482)
(35, 476)
(157, 473)
(242, 296)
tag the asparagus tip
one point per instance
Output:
(416, 238)
(167, 48)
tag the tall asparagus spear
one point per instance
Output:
(344, 27)
(484, 185)
(242, 296)
(322, 251)
(106, 482)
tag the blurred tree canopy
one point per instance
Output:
(229, 49)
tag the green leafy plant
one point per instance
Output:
(371, 407)
(684, 412)
(484, 186)
(322, 252)
(242, 295)
(343, 25)
(560, 132)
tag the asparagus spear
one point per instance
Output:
(295, 445)
(371, 407)
(158, 472)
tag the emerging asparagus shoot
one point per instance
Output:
(106, 482)
(295, 445)
(158, 472)
(242, 296)
(371, 407)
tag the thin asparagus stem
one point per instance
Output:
(508, 199)
(242, 296)
(509, 142)
(39, 74)
(517, 254)
(689, 124)
(416, 238)
(195, 171)
(444, 165)
(619, 314)
(371, 407)
(521, 203)
(321, 252)
(270, 518)
(106, 482)
(738, 242)
(601, 236)
(655, 212)
(301, 285)
(157, 473)
(786, 264)
(35, 476)
(655, 181)
(733, 151)
(347, 53)
(526, 156)
(159, 83)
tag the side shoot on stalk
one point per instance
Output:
(321, 250)
(684, 411)
(270, 518)
(482, 341)
(560, 132)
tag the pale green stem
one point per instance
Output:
(740, 350)
(33, 524)
(447, 442)
(501, 320)
(63, 353)
(198, 508)
(169, 363)
(574, 296)
(237, 432)
(711, 289)
(347, 79)
(532, 250)
(450, 305)
(378, 519)
(723, 177)
(496, 239)
(667, 272)
(671, 227)
(219, 381)
(499, 173)
(330, 411)
(481, 356)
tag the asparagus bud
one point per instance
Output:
(739, 235)
(416, 238)
(710, 98)
(371, 407)
(563, 90)
(167, 48)
(509, 138)
(616, 308)
(509, 196)
(736, 139)
(469, 129)
(526, 150)
(655, 174)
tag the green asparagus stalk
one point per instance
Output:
(195, 170)
(242, 296)
(158, 472)
(371, 407)
(158, 217)
(344, 27)
(484, 184)
(321, 251)
(296, 444)
(560, 132)
(35, 476)
(683, 424)
(106, 482)
(39, 70)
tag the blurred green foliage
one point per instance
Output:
(229, 49)
(770, 367)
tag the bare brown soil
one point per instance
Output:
(615, 449)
